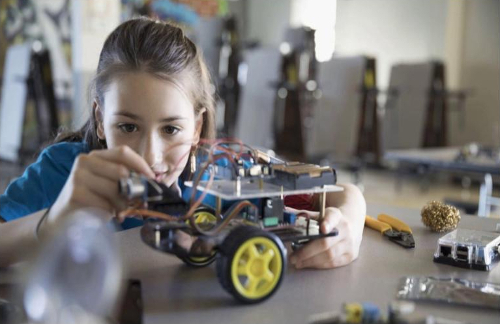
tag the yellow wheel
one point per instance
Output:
(251, 264)
(206, 218)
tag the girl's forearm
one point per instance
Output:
(18, 239)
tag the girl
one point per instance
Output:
(151, 95)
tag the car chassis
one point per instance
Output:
(246, 229)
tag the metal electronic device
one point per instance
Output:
(468, 249)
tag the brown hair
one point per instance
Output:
(160, 49)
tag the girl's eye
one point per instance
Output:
(170, 130)
(127, 128)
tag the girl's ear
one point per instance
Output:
(199, 125)
(98, 117)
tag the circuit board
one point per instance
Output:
(253, 188)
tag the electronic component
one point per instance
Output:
(399, 312)
(273, 208)
(158, 196)
(451, 291)
(362, 313)
(289, 218)
(243, 169)
(468, 249)
(297, 175)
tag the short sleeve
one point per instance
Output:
(41, 182)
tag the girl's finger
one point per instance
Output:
(312, 214)
(85, 198)
(313, 248)
(319, 245)
(302, 212)
(106, 168)
(331, 220)
(126, 156)
(103, 187)
(292, 210)
(328, 256)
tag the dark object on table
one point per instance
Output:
(11, 313)
(11, 310)
(132, 307)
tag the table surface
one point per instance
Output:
(444, 158)
(174, 293)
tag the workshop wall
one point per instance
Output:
(464, 34)
(268, 20)
(391, 30)
(481, 71)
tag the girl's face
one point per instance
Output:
(152, 116)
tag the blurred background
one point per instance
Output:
(401, 97)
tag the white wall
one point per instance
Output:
(267, 20)
(481, 71)
(465, 34)
(393, 31)
(454, 42)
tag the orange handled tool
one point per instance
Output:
(396, 230)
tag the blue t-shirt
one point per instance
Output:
(41, 183)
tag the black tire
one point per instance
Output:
(200, 262)
(227, 252)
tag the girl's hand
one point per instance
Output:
(93, 182)
(330, 252)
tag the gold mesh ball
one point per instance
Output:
(440, 217)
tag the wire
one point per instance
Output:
(148, 213)
(227, 152)
(235, 210)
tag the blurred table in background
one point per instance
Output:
(449, 159)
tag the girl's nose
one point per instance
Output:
(152, 150)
